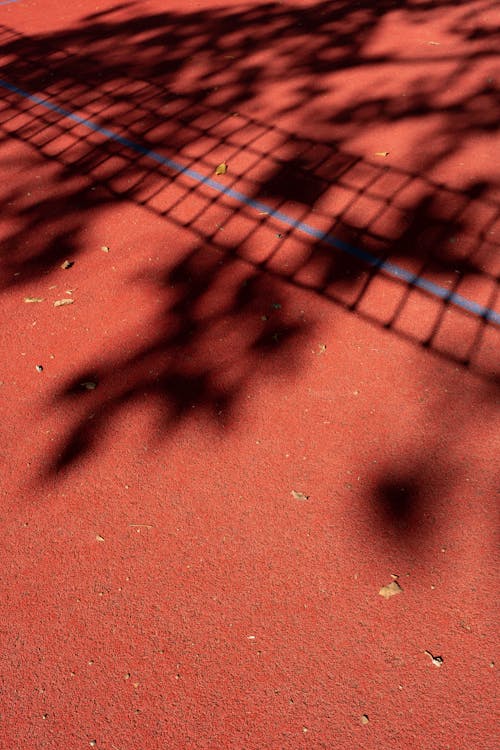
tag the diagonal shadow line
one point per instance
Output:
(328, 294)
(391, 269)
(323, 289)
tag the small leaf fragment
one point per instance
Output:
(105, 249)
(67, 264)
(436, 660)
(322, 349)
(299, 495)
(221, 169)
(33, 299)
(391, 589)
(99, 538)
(61, 302)
(89, 385)
(381, 153)
(365, 719)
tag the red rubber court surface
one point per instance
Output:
(268, 394)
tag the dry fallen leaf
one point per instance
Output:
(365, 719)
(322, 349)
(436, 660)
(99, 538)
(381, 153)
(221, 169)
(67, 264)
(89, 385)
(299, 495)
(33, 299)
(60, 302)
(105, 249)
(391, 589)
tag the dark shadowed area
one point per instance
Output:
(287, 96)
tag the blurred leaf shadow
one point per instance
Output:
(173, 82)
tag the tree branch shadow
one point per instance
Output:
(173, 83)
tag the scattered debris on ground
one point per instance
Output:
(89, 385)
(391, 589)
(299, 495)
(436, 660)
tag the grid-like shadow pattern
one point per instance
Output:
(450, 237)
(447, 236)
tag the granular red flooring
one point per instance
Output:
(240, 433)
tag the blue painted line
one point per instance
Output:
(389, 268)
(7, 2)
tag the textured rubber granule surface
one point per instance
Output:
(232, 435)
